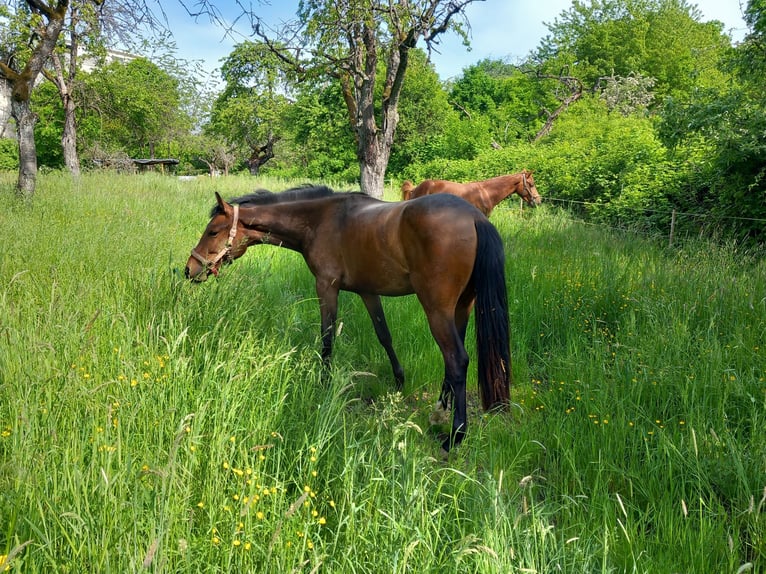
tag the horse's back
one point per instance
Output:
(438, 200)
(425, 187)
(395, 248)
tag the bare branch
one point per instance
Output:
(576, 88)
(280, 51)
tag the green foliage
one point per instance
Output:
(591, 154)
(321, 137)
(46, 103)
(425, 117)
(9, 154)
(509, 99)
(135, 106)
(660, 39)
(726, 125)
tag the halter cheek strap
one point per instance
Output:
(525, 185)
(210, 265)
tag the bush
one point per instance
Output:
(9, 155)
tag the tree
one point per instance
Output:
(347, 41)
(660, 39)
(28, 42)
(209, 150)
(29, 35)
(138, 106)
(88, 28)
(426, 115)
(722, 129)
(81, 24)
(248, 113)
(504, 94)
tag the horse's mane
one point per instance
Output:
(266, 197)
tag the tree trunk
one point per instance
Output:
(371, 147)
(261, 154)
(25, 131)
(372, 169)
(69, 138)
(69, 135)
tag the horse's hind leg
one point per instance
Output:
(375, 309)
(462, 314)
(448, 337)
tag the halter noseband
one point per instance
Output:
(210, 265)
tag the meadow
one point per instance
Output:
(147, 424)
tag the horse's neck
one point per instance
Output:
(283, 224)
(503, 186)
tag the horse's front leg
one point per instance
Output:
(375, 309)
(328, 309)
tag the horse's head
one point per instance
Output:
(218, 243)
(528, 190)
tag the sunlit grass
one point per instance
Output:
(149, 424)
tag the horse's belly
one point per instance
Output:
(389, 280)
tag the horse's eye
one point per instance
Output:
(212, 233)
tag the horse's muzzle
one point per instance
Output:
(198, 277)
(534, 201)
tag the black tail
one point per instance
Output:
(492, 329)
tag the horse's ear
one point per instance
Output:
(225, 207)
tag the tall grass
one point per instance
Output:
(147, 424)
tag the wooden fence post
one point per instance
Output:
(672, 228)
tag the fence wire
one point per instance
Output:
(704, 222)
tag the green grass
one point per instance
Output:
(148, 424)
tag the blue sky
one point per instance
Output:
(502, 29)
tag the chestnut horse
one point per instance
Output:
(438, 247)
(485, 195)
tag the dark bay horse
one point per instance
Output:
(485, 195)
(438, 247)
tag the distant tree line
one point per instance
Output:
(628, 109)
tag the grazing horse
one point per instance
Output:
(438, 247)
(485, 195)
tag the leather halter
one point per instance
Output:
(210, 265)
(525, 186)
